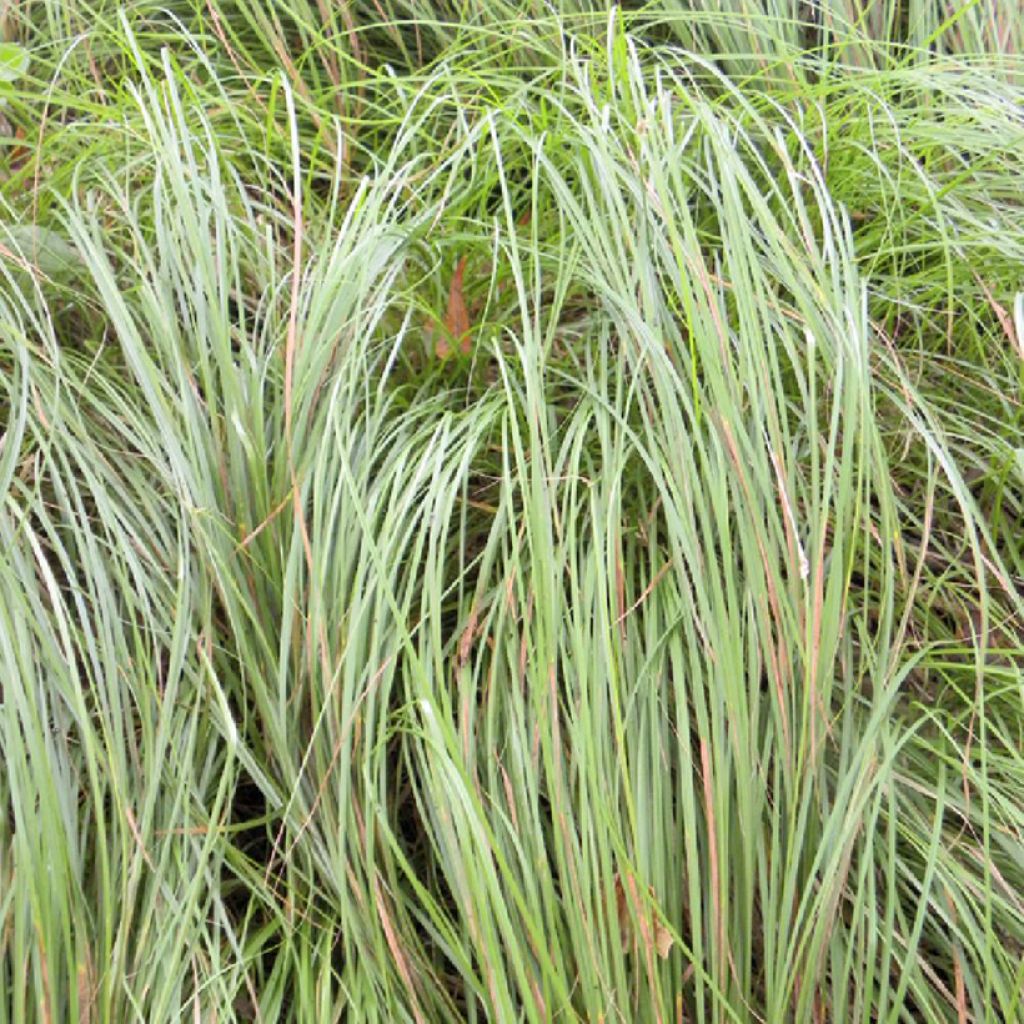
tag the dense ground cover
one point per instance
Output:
(511, 511)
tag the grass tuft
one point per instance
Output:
(511, 512)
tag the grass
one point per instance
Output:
(511, 512)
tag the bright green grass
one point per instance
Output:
(662, 660)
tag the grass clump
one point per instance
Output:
(511, 512)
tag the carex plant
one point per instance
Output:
(510, 512)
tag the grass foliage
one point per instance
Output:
(660, 657)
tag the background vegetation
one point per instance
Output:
(511, 511)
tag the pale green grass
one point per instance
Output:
(661, 660)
